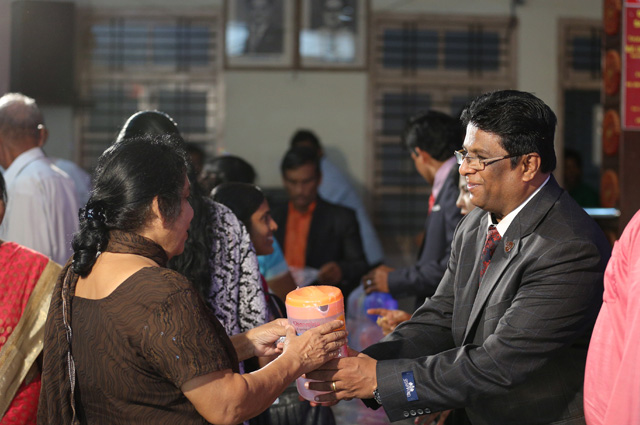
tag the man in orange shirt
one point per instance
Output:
(313, 232)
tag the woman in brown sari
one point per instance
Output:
(129, 341)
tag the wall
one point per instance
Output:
(5, 46)
(335, 103)
(264, 108)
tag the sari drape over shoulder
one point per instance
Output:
(26, 281)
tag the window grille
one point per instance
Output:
(423, 62)
(138, 62)
(580, 75)
(581, 46)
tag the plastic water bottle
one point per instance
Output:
(379, 300)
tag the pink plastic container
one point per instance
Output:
(309, 307)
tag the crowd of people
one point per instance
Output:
(155, 293)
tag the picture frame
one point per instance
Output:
(259, 33)
(333, 34)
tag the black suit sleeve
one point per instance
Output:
(555, 300)
(354, 262)
(422, 279)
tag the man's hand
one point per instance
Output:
(330, 274)
(377, 279)
(345, 378)
(389, 319)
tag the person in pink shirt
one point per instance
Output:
(612, 376)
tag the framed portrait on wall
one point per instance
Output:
(259, 33)
(333, 33)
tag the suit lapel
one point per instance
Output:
(437, 209)
(508, 248)
(467, 283)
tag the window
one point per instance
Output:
(580, 46)
(580, 117)
(423, 62)
(139, 62)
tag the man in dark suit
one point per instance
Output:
(431, 138)
(315, 233)
(505, 335)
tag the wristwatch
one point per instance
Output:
(376, 397)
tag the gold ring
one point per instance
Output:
(333, 386)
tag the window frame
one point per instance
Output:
(441, 83)
(209, 78)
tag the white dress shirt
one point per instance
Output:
(506, 221)
(42, 208)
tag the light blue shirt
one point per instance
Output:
(337, 189)
(273, 265)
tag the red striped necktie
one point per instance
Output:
(493, 238)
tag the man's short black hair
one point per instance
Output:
(524, 123)
(305, 136)
(298, 156)
(434, 132)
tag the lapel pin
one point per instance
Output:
(508, 246)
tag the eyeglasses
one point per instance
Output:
(476, 163)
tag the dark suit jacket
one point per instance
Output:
(422, 279)
(510, 349)
(334, 235)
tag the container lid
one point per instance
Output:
(313, 296)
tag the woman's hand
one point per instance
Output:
(316, 346)
(264, 338)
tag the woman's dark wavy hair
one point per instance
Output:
(227, 168)
(193, 263)
(155, 123)
(3, 190)
(129, 175)
(243, 199)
